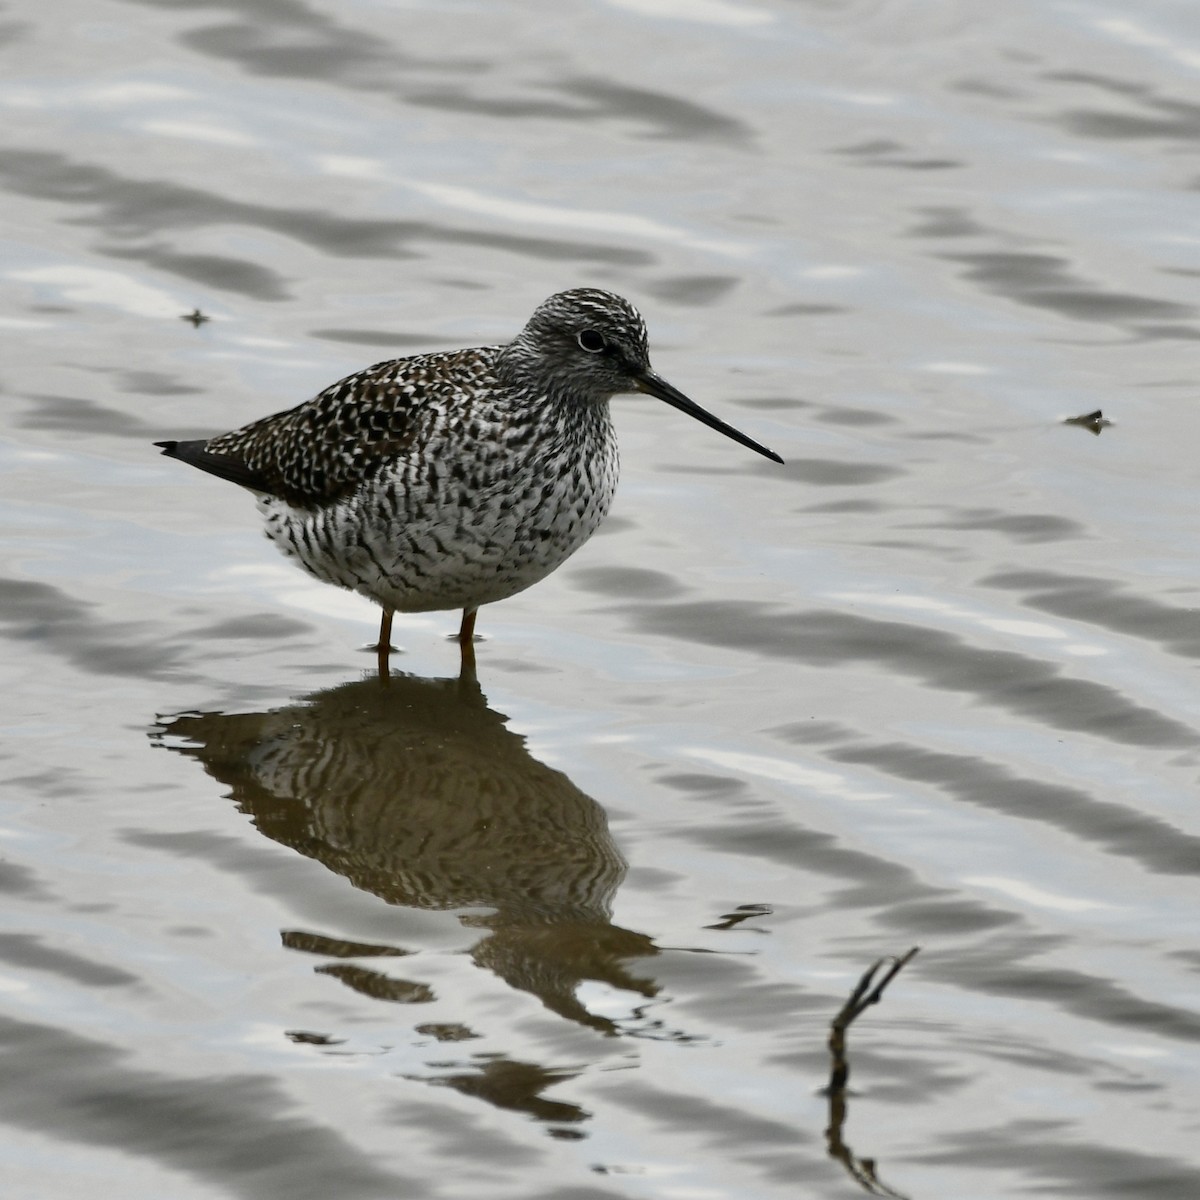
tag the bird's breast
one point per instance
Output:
(473, 514)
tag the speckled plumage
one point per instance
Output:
(456, 479)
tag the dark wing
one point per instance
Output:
(320, 451)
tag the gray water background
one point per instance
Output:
(576, 933)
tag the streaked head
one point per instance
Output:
(586, 345)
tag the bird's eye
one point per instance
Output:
(591, 341)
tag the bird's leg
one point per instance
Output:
(466, 638)
(384, 648)
(466, 631)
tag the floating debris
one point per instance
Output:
(1093, 422)
(305, 1038)
(743, 912)
(196, 317)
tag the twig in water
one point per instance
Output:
(866, 993)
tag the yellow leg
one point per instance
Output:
(384, 648)
(466, 631)
(466, 638)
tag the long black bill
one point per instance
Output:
(656, 385)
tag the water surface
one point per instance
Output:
(575, 929)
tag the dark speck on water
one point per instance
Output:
(1093, 422)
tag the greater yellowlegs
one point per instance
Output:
(452, 480)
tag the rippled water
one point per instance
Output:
(576, 930)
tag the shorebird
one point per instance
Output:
(455, 479)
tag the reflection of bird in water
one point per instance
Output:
(457, 479)
(418, 793)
